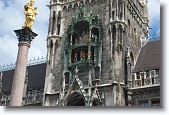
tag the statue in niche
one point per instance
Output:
(96, 38)
(81, 15)
(75, 57)
(83, 33)
(30, 14)
(84, 55)
(97, 19)
(76, 40)
(81, 54)
(93, 37)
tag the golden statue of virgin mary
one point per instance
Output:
(30, 14)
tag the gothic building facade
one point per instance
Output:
(97, 55)
(92, 48)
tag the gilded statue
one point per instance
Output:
(30, 14)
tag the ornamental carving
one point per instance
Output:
(25, 35)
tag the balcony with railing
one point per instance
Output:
(4, 99)
(30, 62)
(146, 79)
(33, 97)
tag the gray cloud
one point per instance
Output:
(12, 18)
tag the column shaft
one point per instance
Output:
(50, 27)
(111, 11)
(123, 11)
(19, 75)
(117, 8)
(111, 42)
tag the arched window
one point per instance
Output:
(82, 3)
(114, 38)
(120, 10)
(113, 10)
(75, 5)
(50, 51)
(87, 2)
(64, 8)
(110, 10)
(135, 36)
(129, 29)
(120, 34)
(70, 6)
(75, 99)
(113, 14)
(51, 44)
(58, 23)
(132, 61)
(67, 77)
(53, 21)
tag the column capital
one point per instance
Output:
(25, 35)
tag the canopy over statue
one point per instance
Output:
(30, 14)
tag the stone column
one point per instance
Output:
(111, 42)
(25, 88)
(48, 51)
(111, 11)
(53, 54)
(71, 39)
(89, 51)
(50, 26)
(89, 46)
(25, 36)
(128, 66)
(70, 56)
(90, 88)
(123, 10)
(117, 8)
(115, 56)
(70, 51)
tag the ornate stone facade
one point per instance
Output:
(102, 40)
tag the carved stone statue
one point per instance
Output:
(30, 14)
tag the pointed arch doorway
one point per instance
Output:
(75, 99)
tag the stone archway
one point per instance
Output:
(75, 99)
(96, 102)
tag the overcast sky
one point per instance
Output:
(12, 17)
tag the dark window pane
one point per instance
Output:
(144, 104)
(155, 103)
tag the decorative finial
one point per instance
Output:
(30, 14)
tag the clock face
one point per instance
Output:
(143, 2)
